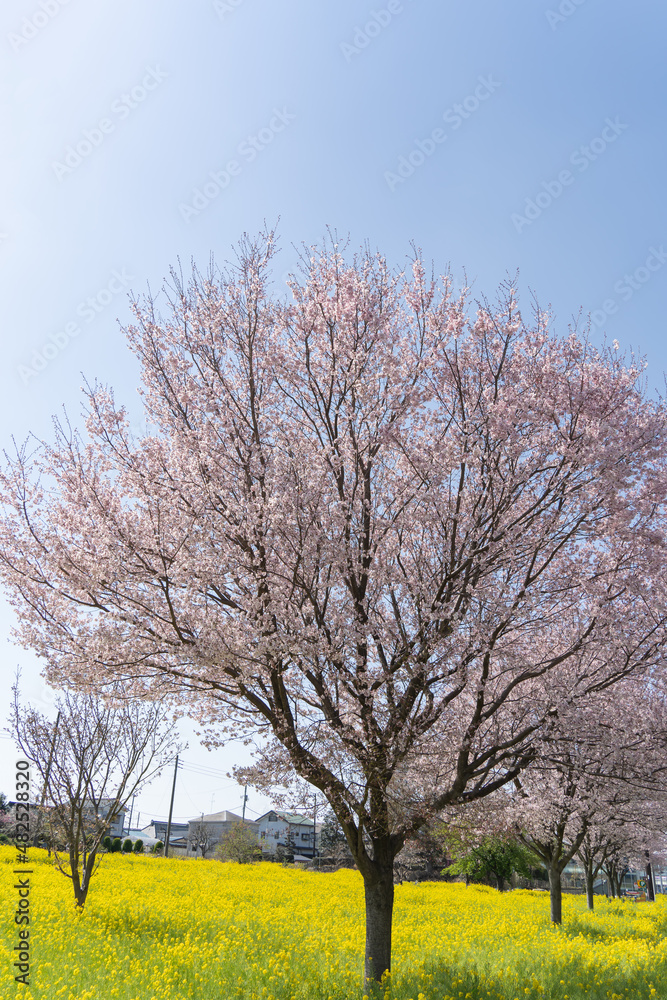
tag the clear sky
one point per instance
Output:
(498, 135)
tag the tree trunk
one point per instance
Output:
(82, 871)
(501, 882)
(589, 887)
(614, 883)
(556, 895)
(80, 891)
(379, 890)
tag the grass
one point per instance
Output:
(156, 929)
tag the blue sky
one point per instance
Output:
(498, 136)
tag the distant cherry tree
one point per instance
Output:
(201, 838)
(382, 530)
(88, 764)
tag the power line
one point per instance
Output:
(205, 769)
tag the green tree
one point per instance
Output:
(492, 856)
(239, 843)
(116, 845)
(139, 846)
(332, 842)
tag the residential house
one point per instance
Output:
(285, 829)
(157, 830)
(102, 811)
(215, 825)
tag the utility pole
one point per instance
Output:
(245, 799)
(171, 810)
(129, 825)
(48, 766)
(315, 827)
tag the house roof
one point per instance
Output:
(221, 817)
(140, 835)
(163, 822)
(292, 818)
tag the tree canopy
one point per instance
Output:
(386, 532)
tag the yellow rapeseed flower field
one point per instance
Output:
(156, 929)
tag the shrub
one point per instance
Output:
(127, 845)
(239, 844)
(106, 844)
(139, 846)
(115, 844)
(156, 848)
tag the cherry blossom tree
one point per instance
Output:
(625, 835)
(201, 837)
(369, 526)
(553, 823)
(592, 853)
(596, 790)
(90, 763)
(630, 747)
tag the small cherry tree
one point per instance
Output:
(364, 526)
(90, 762)
(201, 838)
